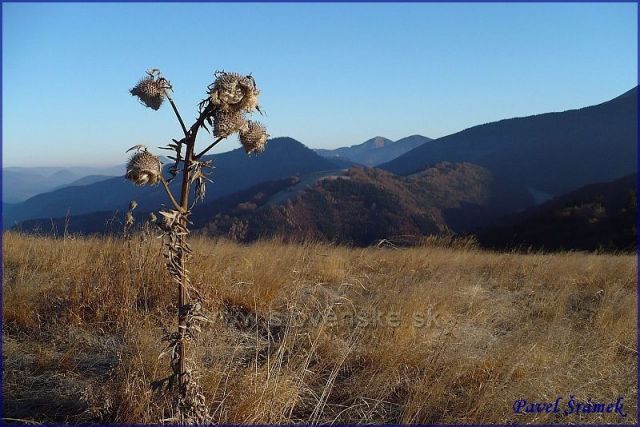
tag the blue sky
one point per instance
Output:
(331, 74)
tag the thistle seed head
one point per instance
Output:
(144, 168)
(151, 91)
(128, 219)
(132, 205)
(254, 137)
(227, 122)
(225, 90)
(234, 92)
(250, 93)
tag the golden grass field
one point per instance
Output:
(314, 333)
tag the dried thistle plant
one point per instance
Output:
(253, 137)
(230, 98)
(151, 90)
(143, 167)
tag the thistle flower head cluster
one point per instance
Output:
(234, 92)
(151, 90)
(232, 96)
(144, 168)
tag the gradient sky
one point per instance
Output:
(330, 74)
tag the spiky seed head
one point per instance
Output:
(250, 93)
(225, 90)
(254, 137)
(152, 217)
(144, 168)
(132, 205)
(227, 122)
(234, 92)
(151, 91)
(128, 220)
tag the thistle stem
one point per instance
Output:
(190, 142)
(203, 152)
(175, 203)
(175, 110)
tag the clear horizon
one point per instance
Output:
(331, 75)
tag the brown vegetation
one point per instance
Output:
(363, 205)
(443, 333)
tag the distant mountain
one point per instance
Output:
(63, 175)
(376, 150)
(631, 93)
(362, 205)
(21, 183)
(597, 216)
(75, 170)
(550, 154)
(233, 171)
(86, 180)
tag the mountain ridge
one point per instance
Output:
(376, 150)
(550, 152)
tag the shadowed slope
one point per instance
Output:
(598, 216)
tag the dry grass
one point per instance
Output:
(83, 318)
